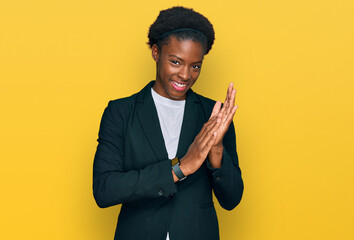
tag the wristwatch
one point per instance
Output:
(177, 170)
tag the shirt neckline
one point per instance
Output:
(166, 100)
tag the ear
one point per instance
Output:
(155, 52)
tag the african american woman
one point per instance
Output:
(163, 151)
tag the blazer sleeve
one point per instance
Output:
(226, 180)
(111, 184)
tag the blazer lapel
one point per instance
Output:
(192, 123)
(149, 121)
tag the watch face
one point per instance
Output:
(174, 161)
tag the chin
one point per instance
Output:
(176, 95)
(179, 94)
(179, 97)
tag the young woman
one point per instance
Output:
(162, 151)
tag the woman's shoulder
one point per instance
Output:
(121, 107)
(132, 99)
(121, 102)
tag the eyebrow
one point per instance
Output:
(171, 55)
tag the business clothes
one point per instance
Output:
(131, 167)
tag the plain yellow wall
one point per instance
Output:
(292, 63)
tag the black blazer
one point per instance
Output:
(131, 167)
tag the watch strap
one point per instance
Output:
(177, 170)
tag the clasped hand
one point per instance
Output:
(209, 139)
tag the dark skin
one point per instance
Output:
(178, 65)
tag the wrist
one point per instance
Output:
(184, 167)
(176, 170)
(175, 178)
(218, 149)
(215, 156)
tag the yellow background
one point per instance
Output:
(61, 61)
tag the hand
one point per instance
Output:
(227, 113)
(209, 139)
(199, 149)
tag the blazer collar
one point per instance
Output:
(150, 124)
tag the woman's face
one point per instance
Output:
(178, 67)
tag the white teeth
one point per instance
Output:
(178, 84)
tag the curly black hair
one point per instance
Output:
(183, 23)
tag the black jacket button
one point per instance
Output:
(160, 192)
(170, 196)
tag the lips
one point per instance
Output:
(179, 86)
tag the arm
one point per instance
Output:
(226, 180)
(112, 185)
(222, 158)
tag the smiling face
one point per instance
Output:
(178, 66)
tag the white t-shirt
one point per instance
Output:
(170, 113)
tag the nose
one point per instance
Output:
(184, 73)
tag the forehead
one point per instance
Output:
(184, 49)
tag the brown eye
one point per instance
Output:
(174, 62)
(197, 66)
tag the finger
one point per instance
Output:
(228, 96)
(222, 111)
(216, 109)
(231, 87)
(227, 93)
(210, 142)
(233, 96)
(229, 90)
(231, 102)
(207, 126)
(231, 116)
(211, 131)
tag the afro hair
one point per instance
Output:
(192, 25)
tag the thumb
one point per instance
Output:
(216, 109)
